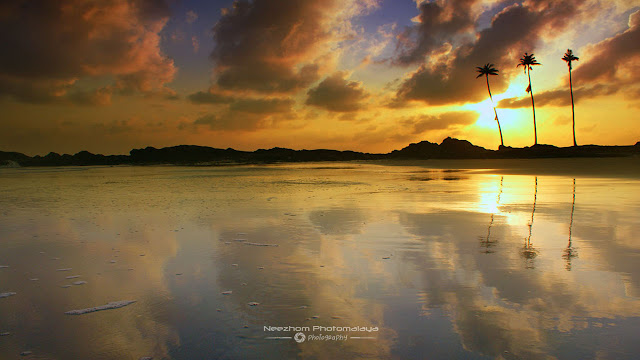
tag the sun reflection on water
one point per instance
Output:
(448, 262)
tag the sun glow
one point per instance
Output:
(514, 122)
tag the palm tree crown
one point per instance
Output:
(527, 61)
(569, 57)
(486, 70)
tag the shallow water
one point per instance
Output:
(444, 262)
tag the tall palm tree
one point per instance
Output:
(569, 57)
(487, 70)
(526, 62)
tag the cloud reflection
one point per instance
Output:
(362, 245)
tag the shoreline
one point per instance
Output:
(192, 155)
(622, 167)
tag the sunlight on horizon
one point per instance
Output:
(510, 119)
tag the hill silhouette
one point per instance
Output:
(449, 148)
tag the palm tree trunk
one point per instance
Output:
(573, 114)
(533, 105)
(494, 110)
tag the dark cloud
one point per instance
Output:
(31, 91)
(246, 114)
(234, 121)
(267, 78)
(559, 97)
(267, 45)
(439, 22)
(49, 45)
(607, 68)
(614, 59)
(335, 93)
(148, 10)
(420, 124)
(209, 97)
(97, 97)
(236, 113)
(449, 76)
(208, 119)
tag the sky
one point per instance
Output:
(365, 75)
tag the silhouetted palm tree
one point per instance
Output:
(487, 70)
(526, 62)
(569, 57)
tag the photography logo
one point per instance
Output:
(299, 337)
(321, 333)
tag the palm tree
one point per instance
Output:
(569, 57)
(487, 70)
(526, 62)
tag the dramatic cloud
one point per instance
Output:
(209, 97)
(614, 59)
(335, 93)
(559, 97)
(97, 97)
(448, 75)
(607, 67)
(208, 119)
(50, 45)
(241, 114)
(279, 46)
(268, 50)
(265, 46)
(420, 124)
(438, 23)
(235, 121)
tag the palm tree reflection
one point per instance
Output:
(570, 253)
(528, 252)
(488, 243)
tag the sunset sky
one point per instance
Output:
(367, 75)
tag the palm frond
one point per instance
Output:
(569, 57)
(527, 61)
(486, 70)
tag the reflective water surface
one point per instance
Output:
(443, 261)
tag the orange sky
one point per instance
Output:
(363, 75)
